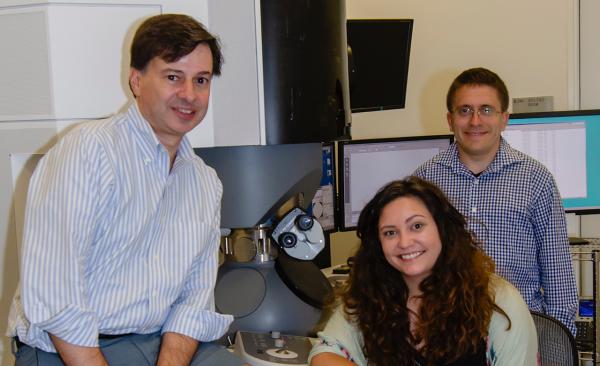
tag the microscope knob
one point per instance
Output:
(287, 240)
(304, 222)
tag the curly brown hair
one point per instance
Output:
(456, 302)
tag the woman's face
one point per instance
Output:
(410, 239)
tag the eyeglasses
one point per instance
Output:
(485, 111)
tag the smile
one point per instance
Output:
(411, 255)
(184, 111)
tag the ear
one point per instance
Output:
(449, 119)
(505, 116)
(134, 81)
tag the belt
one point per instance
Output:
(113, 336)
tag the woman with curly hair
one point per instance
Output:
(422, 292)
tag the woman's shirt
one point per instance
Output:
(514, 347)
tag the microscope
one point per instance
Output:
(267, 279)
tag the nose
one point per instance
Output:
(186, 91)
(404, 241)
(475, 118)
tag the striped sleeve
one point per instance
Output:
(59, 222)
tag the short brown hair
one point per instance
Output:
(170, 37)
(478, 76)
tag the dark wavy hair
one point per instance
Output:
(456, 302)
(478, 76)
(170, 37)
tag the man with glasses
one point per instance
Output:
(510, 200)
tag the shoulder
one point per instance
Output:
(443, 160)
(207, 172)
(514, 342)
(84, 142)
(341, 336)
(509, 299)
(96, 132)
(525, 163)
(504, 292)
(200, 176)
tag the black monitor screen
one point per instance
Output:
(367, 165)
(379, 50)
(566, 143)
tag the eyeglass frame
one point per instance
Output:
(479, 111)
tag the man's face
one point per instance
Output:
(173, 97)
(477, 134)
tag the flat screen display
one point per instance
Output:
(379, 51)
(568, 144)
(367, 165)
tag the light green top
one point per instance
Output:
(515, 347)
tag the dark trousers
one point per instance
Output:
(128, 350)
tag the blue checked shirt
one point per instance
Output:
(514, 208)
(116, 243)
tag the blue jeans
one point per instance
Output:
(131, 350)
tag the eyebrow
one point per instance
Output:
(171, 70)
(407, 220)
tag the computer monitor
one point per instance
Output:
(378, 54)
(567, 143)
(367, 165)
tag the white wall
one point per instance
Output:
(590, 81)
(590, 54)
(531, 44)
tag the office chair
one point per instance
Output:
(556, 343)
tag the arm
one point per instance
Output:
(330, 359)
(77, 355)
(58, 232)
(554, 258)
(518, 345)
(176, 349)
(340, 343)
(193, 312)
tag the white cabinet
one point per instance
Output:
(65, 61)
(68, 61)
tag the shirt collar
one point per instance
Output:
(148, 141)
(505, 156)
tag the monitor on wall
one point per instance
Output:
(567, 143)
(378, 55)
(367, 165)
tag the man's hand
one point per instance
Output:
(176, 350)
(73, 355)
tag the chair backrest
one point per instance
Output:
(556, 343)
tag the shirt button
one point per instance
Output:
(146, 161)
(476, 181)
(473, 209)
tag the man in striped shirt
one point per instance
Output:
(120, 247)
(510, 200)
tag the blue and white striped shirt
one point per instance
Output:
(514, 208)
(116, 243)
